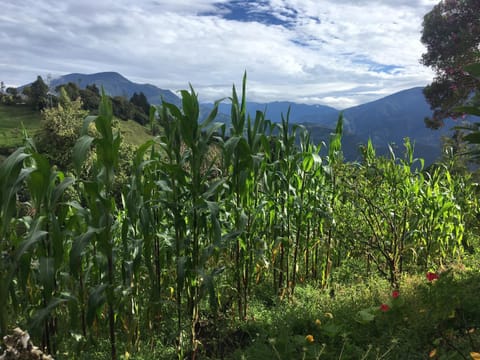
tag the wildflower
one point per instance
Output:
(431, 276)
(475, 355)
(432, 353)
(309, 338)
(395, 294)
(384, 307)
(318, 322)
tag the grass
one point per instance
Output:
(441, 317)
(12, 118)
(429, 320)
(134, 133)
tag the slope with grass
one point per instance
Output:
(14, 118)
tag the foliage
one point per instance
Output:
(451, 33)
(37, 94)
(60, 129)
(210, 235)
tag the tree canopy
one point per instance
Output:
(37, 94)
(451, 34)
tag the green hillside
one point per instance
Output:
(12, 118)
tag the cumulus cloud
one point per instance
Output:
(300, 50)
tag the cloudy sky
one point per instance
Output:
(333, 52)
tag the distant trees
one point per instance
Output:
(451, 33)
(37, 94)
(122, 108)
(137, 108)
(10, 96)
(142, 108)
(71, 89)
(90, 97)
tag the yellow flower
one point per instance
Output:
(475, 355)
(329, 315)
(309, 338)
(432, 353)
(318, 322)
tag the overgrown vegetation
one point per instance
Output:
(232, 243)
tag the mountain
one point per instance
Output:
(393, 118)
(299, 113)
(117, 85)
(385, 121)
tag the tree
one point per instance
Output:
(37, 94)
(90, 97)
(71, 89)
(10, 97)
(451, 33)
(60, 129)
(140, 100)
(122, 108)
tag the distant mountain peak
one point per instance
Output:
(116, 84)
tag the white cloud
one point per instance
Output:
(324, 52)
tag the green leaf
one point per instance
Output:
(46, 273)
(365, 316)
(80, 151)
(34, 235)
(473, 69)
(470, 110)
(41, 315)
(78, 249)
(95, 301)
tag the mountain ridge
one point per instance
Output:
(116, 84)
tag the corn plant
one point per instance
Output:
(99, 197)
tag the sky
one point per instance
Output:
(339, 53)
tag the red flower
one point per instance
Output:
(384, 307)
(432, 276)
(395, 294)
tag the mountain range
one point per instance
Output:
(385, 121)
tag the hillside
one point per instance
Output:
(12, 118)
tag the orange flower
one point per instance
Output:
(309, 338)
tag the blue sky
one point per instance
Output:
(334, 52)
